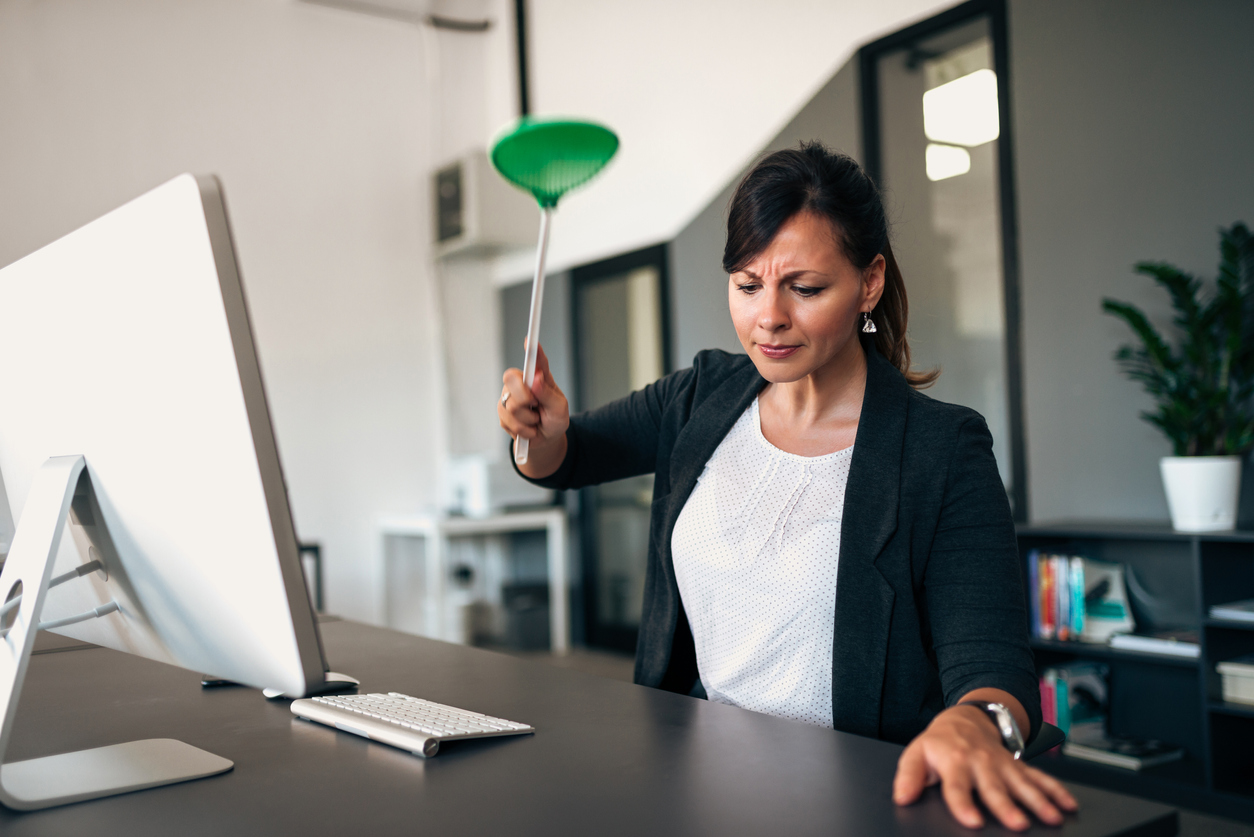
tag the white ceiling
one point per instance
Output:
(694, 88)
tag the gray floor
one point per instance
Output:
(619, 667)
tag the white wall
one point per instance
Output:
(318, 122)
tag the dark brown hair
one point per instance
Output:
(833, 186)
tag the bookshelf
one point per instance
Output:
(1091, 651)
(1174, 699)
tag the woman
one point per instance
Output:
(827, 544)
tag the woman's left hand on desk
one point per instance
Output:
(962, 750)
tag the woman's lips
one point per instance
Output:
(776, 352)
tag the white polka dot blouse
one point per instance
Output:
(755, 551)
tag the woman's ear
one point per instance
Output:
(873, 281)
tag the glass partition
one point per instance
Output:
(934, 141)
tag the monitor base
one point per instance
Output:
(105, 771)
(88, 774)
(332, 681)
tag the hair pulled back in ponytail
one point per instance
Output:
(833, 186)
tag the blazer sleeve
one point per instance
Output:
(974, 585)
(617, 440)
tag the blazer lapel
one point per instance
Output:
(864, 599)
(705, 429)
(710, 422)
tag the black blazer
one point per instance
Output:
(930, 600)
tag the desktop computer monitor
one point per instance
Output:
(127, 344)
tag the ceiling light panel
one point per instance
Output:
(945, 161)
(963, 111)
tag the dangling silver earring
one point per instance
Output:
(868, 326)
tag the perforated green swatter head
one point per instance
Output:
(549, 157)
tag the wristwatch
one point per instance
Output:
(1011, 738)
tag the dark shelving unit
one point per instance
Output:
(1229, 625)
(1241, 710)
(1171, 698)
(1093, 651)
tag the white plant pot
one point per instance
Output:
(1202, 491)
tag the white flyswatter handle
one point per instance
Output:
(521, 446)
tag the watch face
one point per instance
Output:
(1011, 737)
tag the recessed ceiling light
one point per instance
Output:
(964, 111)
(944, 161)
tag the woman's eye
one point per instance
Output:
(748, 287)
(802, 290)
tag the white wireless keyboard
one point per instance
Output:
(406, 722)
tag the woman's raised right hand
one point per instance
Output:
(540, 415)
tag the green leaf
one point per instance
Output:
(1155, 347)
(1204, 387)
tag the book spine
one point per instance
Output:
(1062, 590)
(1034, 591)
(1049, 698)
(1047, 598)
(1062, 696)
(1077, 596)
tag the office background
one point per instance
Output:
(325, 126)
(1130, 122)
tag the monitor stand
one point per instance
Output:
(87, 774)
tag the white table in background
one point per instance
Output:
(437, 532)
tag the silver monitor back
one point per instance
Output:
(128, 342)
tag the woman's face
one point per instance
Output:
(797, 306)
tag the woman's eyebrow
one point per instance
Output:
(792, 274)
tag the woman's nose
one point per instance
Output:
(773, 314)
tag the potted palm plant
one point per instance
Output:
(1203, 386)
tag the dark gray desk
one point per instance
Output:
(608, 758)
